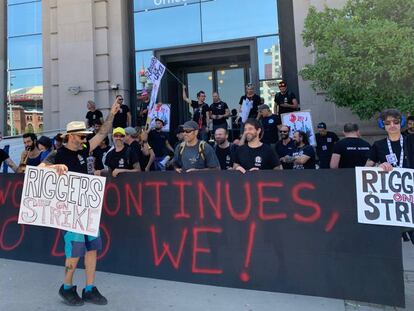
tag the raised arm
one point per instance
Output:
(185, 97)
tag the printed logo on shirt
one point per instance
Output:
(329, 139)
(228, 160)
(324, 148)
(258, 161)
(121, 163)
(81, 159)
(94, 117)
(271, 121)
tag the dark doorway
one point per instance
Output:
(225, 68)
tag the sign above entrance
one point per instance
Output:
(147, 5)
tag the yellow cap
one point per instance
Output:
(118, 130)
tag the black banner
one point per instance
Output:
(292, 232)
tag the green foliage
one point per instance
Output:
(364, 55)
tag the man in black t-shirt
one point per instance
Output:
(352, 151)
(99, 153)
(255, 155)
(251, 102)
(325, 142)
(285, 147)
(73, 157)
(123, 117)
(121, 159)
(410, 126)
(93, 115)
(158, 140)
(219, 112)
(387, 152)
(200, 113)
(303, 156)
(225, 151)
(285, 101)
(270, 123)
(143, 104)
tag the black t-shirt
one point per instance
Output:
(199, 113)
(3, 156)
(308, 151)
(354, 152)
(136, 149)
(286, 98)
(270, 130)
(93, 117)
(122, 159)
(285, 150)
(379, 152)
(324, 148)
(98, 154)
(142, 118)
(263, 157)
(219, 109)
(157, 140)
(226, 156)
(121, 118)
(256, 103)
(76, 161)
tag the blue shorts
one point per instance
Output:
(76, 244)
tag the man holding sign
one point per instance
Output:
(73, 157)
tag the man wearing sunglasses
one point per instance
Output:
(121, 159)
(73, 157)
(285, 147)
(123, 116)
(391, 151)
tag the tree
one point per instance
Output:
(364, 55)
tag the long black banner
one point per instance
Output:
(293, 232)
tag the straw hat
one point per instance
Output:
(76, 127)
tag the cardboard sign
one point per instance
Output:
(385, 198)
(71, 202)
(300, 121)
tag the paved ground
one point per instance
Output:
(28, 286)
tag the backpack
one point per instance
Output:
(201, 147)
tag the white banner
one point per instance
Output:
(300, 121)
(154, 73)
(70, 202)
(385, 198)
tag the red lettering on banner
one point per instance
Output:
(313, 205)
(157, 185)
(197, 249)
(245, 214)
(332, 221)
(181, 184)
(244, 276)
(106, 246)
(54, 251)
(3, 245)
(117, 201)
(166, 249)
(262, 199)
(16, 197)
(202, 192)
(5, 193)
(136, 199)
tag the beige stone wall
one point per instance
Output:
(322, 110)
(85, 45)
(3, 67)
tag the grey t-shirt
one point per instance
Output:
(191, 158)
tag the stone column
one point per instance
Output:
(3, 67)
(86, 53)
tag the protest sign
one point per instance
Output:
(300, 121)
(162, 112)
(385, 198)
(154, 73)
(71, 202)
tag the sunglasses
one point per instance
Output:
(396, 122)
(284, 132)
(119, 136)
(188, 131)
(82, 137)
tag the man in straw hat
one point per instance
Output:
(73, 157)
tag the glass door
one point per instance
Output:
(200, 81)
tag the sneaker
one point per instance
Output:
(94, 296)
(70, 296)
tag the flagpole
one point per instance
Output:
(175, 76)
